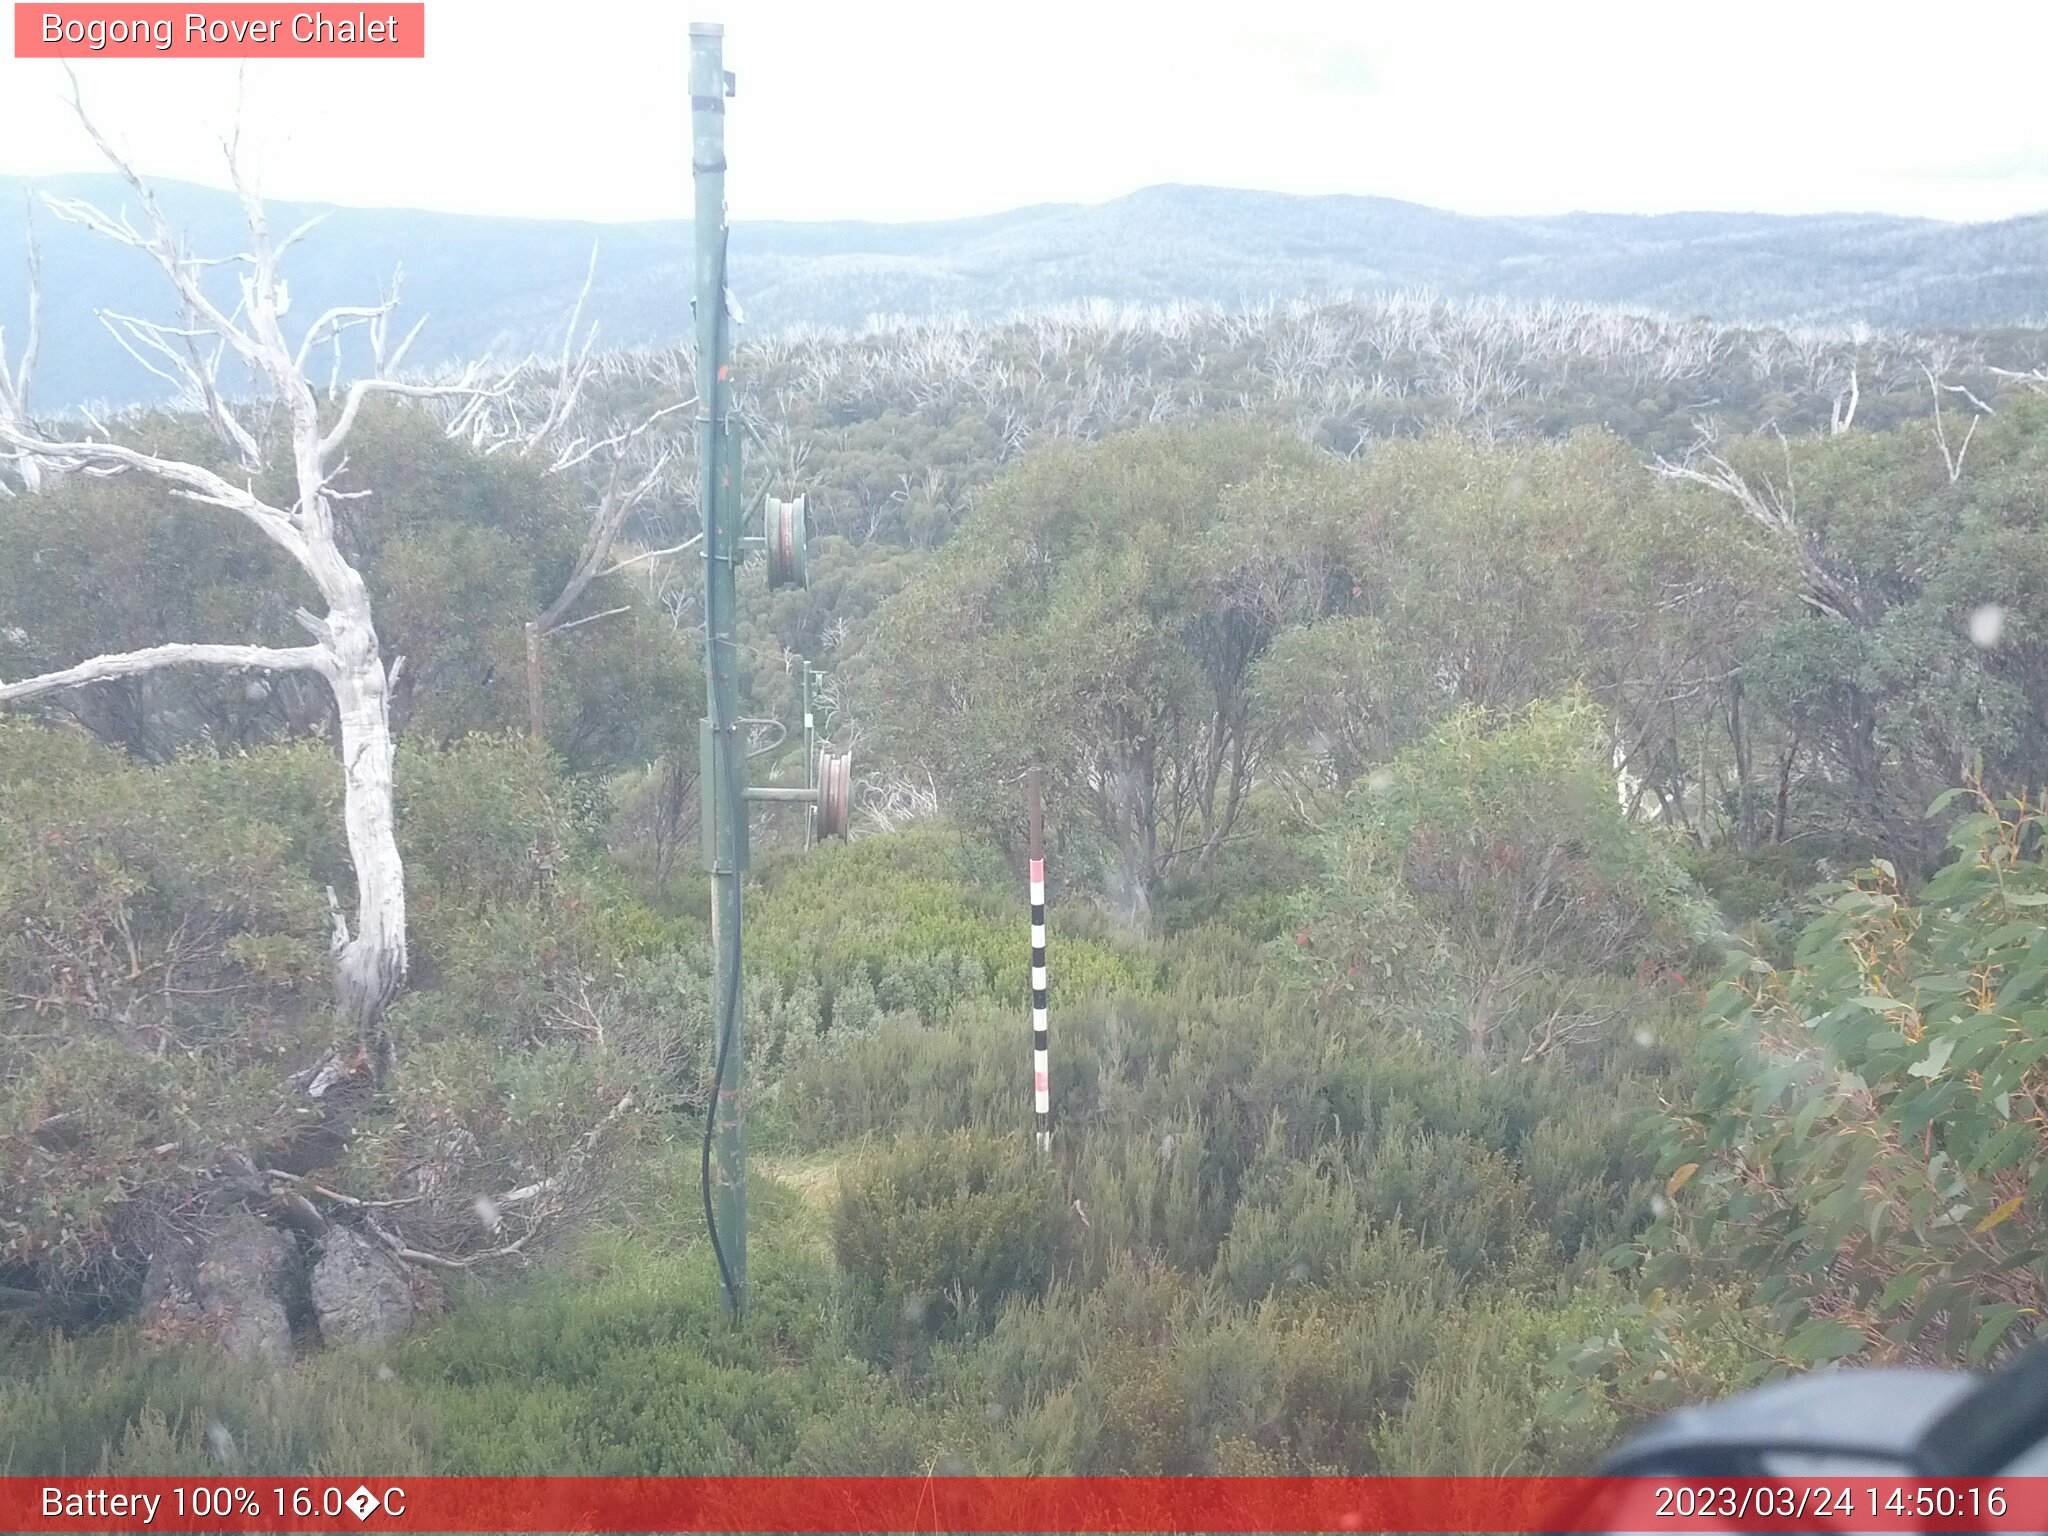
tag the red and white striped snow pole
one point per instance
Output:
(1041, 1056)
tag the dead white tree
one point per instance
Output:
(616, 501)
(632, 459)
(1842, 415)
(1953, 457)
(2034, 380)
(1775, 508)
(14, 386)
(370, 961)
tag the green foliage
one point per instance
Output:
(1252, 1245)
(163, 936)
(622, 1365)
(1099, 613)
(1527, 1382)
(162, 960)
(912, 924)
(1763, 893)
(1246, 892)
(1346, 1158)
(1352, 690)
(1151, 1373)
(933, 1235)
(878, 941)
(1489, 867)
(1167, 616)
(112, 1404)
(1311, 1224)
(459, 550)
(1866, 1148)
(1497, 576)
(1889, 690)
(619, 1363)
(112, 564)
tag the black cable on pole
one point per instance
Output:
(726, 804)
(724, 1022)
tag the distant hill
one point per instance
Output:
(506, 284)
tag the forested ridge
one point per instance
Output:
(1546, 904)
(502, 283)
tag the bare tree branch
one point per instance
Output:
(1775, 510)
(654, 554)
(14, 387)
(613, 508)
(193, 481)
(592, 618)
(362, 389)
(305, 658)
(1953, 458)
(500, 420)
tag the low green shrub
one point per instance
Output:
(931, 1234)
(113, 1404)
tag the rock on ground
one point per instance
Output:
(227, 1287)
(360, 1293)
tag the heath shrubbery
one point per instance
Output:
(1481, 889)
(932, 1234)
(165, 965)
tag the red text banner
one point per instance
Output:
(238, 31)
(1080, 1504)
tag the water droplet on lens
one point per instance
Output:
(1987, 625)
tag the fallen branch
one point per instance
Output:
(536, 1219)
(400, 1250)
(352, 1201)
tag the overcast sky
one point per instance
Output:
(907, 110)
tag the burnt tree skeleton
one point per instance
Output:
(370, 959)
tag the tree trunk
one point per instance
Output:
(1738, 738)
(1126, 809)
(1479, 1024)
(1784, 791)
(370, 966)
(1129, 891)
(536, 724)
